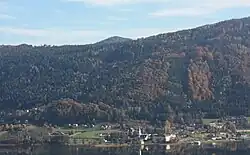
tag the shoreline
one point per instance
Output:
(119, 145)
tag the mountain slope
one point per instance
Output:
(180, 75)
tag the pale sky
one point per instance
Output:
(58, 22)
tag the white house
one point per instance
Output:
(142, 142)
(197, 143)
(168, 147)
(217, 138)
(216, 125)
(168, 138)
(145, 136)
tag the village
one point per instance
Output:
(209, 131)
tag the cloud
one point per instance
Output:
(114, 18)
(49, 36)
(23, 31)
(125, 10)
(4, 8)
(4, 5)
(196, 8)
(5, 16)
(54, 36)
(45, 32)
(114, 2)
(58, 11)
(101, 2)
(135, 33)
(189, 3)
(179, 12)
(175, 7)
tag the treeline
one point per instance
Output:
(187, 74)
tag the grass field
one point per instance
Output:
(3, 135)
(86, 133)
(207, 121)
(79, 129)
(246, 133)
(94, 134)
(248, 118)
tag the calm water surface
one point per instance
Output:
(224, 149)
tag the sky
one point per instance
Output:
(58, 22)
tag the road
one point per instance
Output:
(248, 130)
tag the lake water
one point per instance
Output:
(223, 149)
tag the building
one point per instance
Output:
(158, 139)
(57, 133)
(144, 137)
(164, 138)
(105, 127)
(216, 125)
(196, 143)
(169, 138)
(237, 120)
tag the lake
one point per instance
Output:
(188, 149)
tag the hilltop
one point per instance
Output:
(114, 39)
(184, 76)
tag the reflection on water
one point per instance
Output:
(208, 149)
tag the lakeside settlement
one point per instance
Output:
(21, 132)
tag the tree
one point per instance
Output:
(229, 126)
(131, 78)
(167, 128)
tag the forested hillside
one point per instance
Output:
(193, 73)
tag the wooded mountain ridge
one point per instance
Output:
(194, 73)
